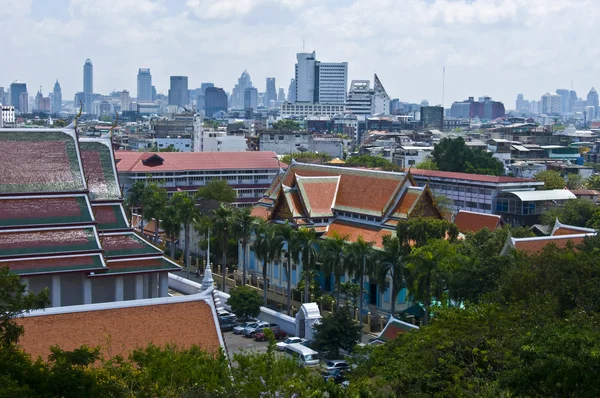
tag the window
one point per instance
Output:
(281, 138)
(485, 206)
(471, 204)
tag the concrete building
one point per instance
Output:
(406, 156)
(523, 208)
(484, 109)
(178, 93)
(215, 100)
(56, 98)
(304, 109)
(270, 92)
(381, 99)
(291, 98)
(551, 104)
(432, 117)
(237, 95)
(144, 85)
(565, 100)
(125, 101)
(592, 99)
(289, 142)
(7, 115)
(319, 82)
(88, 86)
(15, 93)
(360, 98)
(305, 78)
(251, 98)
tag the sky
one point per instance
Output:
(488, 47)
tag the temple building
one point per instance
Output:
(62, 222)
(345, 201)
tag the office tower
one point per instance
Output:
(16, 89)
(144, 85)
(24, 102)
(125, 101)
(178, 93)
(251, 98)
(432, 117)
(153, 93)
(381, 99)
(305, 77)
(200, 95)
(395, 106)
(572, 99)
(238, 93)
(592, 98)
(56, 98)
(551, 103)
(78, 100)
(292, 91)
(270, 92)
(3, 95)
(565, 100)
(360, 98)
(484, 108)
(281, 96)
(215, 100)
(322, 82)
(88, 85)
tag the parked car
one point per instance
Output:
(278, 333)
(228, 324)
(303, 355)
(250, 331)
(240, 328)
(335, 375)
(337, 364)
(290, 340)
(224, 313)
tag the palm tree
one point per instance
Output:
(352, 292)
(171, 225)
(307, 240)
(292, 238)
(357, 255)
(311, 275)
(156, 203)
(243, 225)
(222, 227)
(267, 247)
(138, 196)
(392, 262)
(427, 272)
(332, 257)
(188, 214)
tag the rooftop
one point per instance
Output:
(44, 210)
(468, 221)
(99, 169)
(549, 194)
(472, 177)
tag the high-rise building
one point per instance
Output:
(251, 98)
(56, 98)
(281, 95)
(572, 99)
(200, 95)
(432, 117)
(215, 100)
(178, 93)
(16, 89)
(24, 102)
(551, 104)
(292, 91)
(484, 108)
(305, 77)
(144, 85)
(320, 82)
(153, 93)
(125, 101)
(381, 99)
(3, 95)
(592, 98)
(360, 98)
(565, 100)
(270, 92)
(238, 93)
(88, 85)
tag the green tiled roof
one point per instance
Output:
(109, 217)
(128, 244)
(14, 243)
(49, 265)
(43, 211)
(140, 265)
(98, 170)
(39, 161)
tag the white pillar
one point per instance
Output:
(146, 286)
(139, 286)
(163, 284)
(25, 281)
(153, 281)
(87, 290)
(119, 288)
(55, 291)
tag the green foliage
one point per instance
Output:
(217, 190)
(335, 332)
(574, 181)
(578, 212)
(245, 302)
(418, 231)
(59, 123)
(15, 301)
(170, 148)
(427, 164)
(374, 162)
(211, 124)
(593, 183)
(286, 124)
(551, 179)
(454, 155)
(305, 157)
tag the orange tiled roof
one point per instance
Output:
(354, 230)
(468, 221)
(567, 231)
(407, 202)
(118, 331)
(319, 194)
(536, 245)
(293, 201)
(261, 212)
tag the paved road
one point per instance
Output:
(236, 343)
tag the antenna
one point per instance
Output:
(303, 43)
(443, 83)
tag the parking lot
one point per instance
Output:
(237, 342)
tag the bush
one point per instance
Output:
(245, 302)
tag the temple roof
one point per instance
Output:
(352, 230)
(51, 265)
(109, 216)
(407, 202)
(393, 328)
(319, 194)
(40, 160)
(564, 229)
(468, 221)
(99, 169)
(44, 210)
(140, 265)
(127, 244)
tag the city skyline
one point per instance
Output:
(408, 57)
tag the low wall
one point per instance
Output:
(285, 322)
(183, 285)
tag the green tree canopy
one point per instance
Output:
(551, 179)
(245, 302)
(454, 155)
(578, 212)
(217, 190)
(427, 164)
(335, 332)
(372, 162)
(305, 157)
(286, 124)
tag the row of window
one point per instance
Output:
(460, 188)
(473, 205)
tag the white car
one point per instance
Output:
(290, 340)
(240, 328)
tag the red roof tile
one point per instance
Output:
(140, 265)
(34, 242)
(395, 327)
(44, 211)
(293, 200)
(353, 230)
(109, 217)
(468, 177)
(468, 221)
(261, 212)
(406, 202)
(118, 331)
(533, 246)
(126, 244)
(51, 265)
(98, 170)
(177, 161)
(318, 194)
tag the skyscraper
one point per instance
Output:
(592, 98)
(292, 91)
(88, 85)
(16, 90)
(281, 96)
(144, 85)
(237, 96)
(125, 101)
(270, 92)
(56, 98)
(322, 82)
(251, 98)
(215, 100)
(305, 77)
(551, 104)
(565, 100)
(381, 99)
(178, 93)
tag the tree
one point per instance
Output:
(217, 190)
(427, 164)
(244, 302)
(332, 256)
(309, 157)
(138, 197)
(222, 229)
(372, 162)
(335, 332)
(156, 203)
(578, 212)
(358, 254)
(188, 214)
(574, 181)
(593, 182)
(551, 180)
(267, 247)
(307, 240)
(171, 225)
(242, 227)
(290, 236)
(170, 148)
(392, 261)
(286, 124)
(454, 155)
(418, 231)
(352, 292)
(15, 301)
